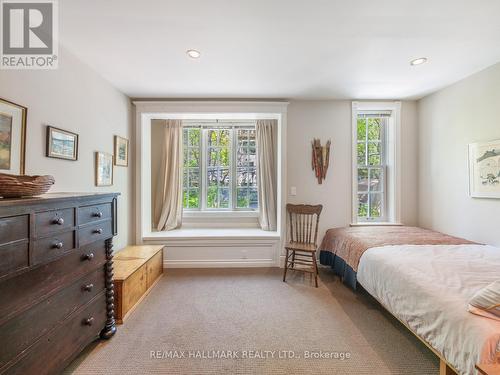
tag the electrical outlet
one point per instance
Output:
(293, 190)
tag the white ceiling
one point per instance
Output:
(307, 49)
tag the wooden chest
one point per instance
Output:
(137, 269)
(56, 287)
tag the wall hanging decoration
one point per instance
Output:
(121, 151)
(103, 169)
(320, 159)
(12, 137)
(484, 169)
(61, 144)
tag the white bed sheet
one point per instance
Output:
(428, 287)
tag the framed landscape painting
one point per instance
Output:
(121, 151)
(103, 169)
(12, 137)
(61, 144)
(484, 169)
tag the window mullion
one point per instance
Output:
(234, 135)
(203, 164)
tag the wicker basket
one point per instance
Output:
(12, 186)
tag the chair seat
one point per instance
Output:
(301, 246)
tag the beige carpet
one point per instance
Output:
(251, 311)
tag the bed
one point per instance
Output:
(425, 279)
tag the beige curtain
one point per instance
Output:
(167, 207)
(267, 135)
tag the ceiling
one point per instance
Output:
(294, 49)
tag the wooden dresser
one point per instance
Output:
(56, 286)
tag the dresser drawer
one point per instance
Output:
(51, 247)
(14, 257)
(19, 293)
(52, 353)
(54, 221)
(19, 332)
(94, 232)
(14, 228)
(93, 213)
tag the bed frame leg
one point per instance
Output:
(444, 369)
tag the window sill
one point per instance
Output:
(212, 233)
(219, 214)
(376, 224)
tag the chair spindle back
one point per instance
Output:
(304, 221)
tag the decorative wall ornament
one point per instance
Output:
(121, 151)
(61, 144)
(320, 159)
(484, 169)
(12, 137)
(103, 169)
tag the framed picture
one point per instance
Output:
(121, 151)
(61, 144)
(484, 169)
(103, 169)
(12, 137)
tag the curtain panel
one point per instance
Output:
(267, 136)
(167, 207)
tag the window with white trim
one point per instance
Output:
(371, 165)
(220, 169)
(376, 162)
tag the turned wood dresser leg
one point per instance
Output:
(109, 328)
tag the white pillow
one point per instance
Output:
(486, 302)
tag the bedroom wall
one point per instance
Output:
(76, 98)
(331, 119)
(449, 120)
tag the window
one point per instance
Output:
(376, 162)
(220, 171)
(371, 166)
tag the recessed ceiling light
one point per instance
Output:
(418, 61)
(194, 54)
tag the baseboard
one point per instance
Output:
(225, 263)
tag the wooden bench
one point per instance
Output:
(136, 270)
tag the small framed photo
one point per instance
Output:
(484, 169)
(61, 144)
(121, 151)
(103, 169)
(12, 137)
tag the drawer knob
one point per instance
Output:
(88, 257)
(58, 245)
(58, 221)
(98, 231)
(88, 321)
(98, 214)
(88, 287)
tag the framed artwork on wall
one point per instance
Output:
(103, 169)
(121, 151)
(484, 169)
(12, 137)
(61, 144)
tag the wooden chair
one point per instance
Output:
(301, 249)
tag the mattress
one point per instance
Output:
(350, 243)
(428, 287)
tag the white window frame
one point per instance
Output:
(233, 127)
(382, 166)
(147, 111)
(392, 155)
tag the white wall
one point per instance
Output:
(75, 98)
(332, 120)
(463, 113)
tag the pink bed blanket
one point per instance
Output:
(351, 242)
